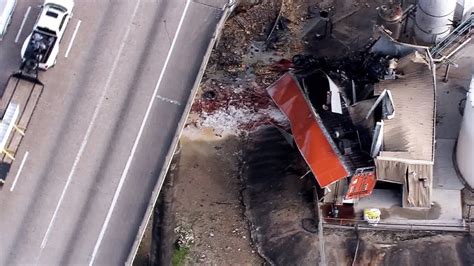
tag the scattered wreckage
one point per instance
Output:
(362, 120)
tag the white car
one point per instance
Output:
(6, 12)
(42, 45)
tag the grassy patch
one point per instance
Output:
(179, 256)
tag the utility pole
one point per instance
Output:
(322, 253)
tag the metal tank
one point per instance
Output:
(465, 145)
(390, 17)
(433, 20)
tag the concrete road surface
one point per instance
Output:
(102, 130)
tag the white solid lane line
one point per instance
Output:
(137, 139)
(22, 24)
(90, 127)
(72, 38)
(19, 171)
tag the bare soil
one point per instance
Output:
(232, 96)
(208, 199)
(398, 248)
(278, 199)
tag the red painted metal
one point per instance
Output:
(308, 133)
(362, 184)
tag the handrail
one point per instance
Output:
(344, 222)
(456, 34)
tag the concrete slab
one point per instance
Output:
(448, 116)
(444, 176)
(450, 94)
(380, 198)
(450, 203)
(446, 209)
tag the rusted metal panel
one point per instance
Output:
(309, 135)
(338, 214)
(362, 184)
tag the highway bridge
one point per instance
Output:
(100, 141)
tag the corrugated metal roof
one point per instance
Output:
(412, 129)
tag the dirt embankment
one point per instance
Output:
(204, 219)
(278, 199)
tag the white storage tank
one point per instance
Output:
(465, 146)
(464, 9)
(433, 20)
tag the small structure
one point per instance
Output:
(407, 153)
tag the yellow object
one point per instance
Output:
(372, 216)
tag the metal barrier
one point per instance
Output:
(362, 224)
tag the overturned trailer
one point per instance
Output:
(353, 136)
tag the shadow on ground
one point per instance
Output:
(277, 200)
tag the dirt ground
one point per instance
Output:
(208, 200)
(279, 200)
(232, 96)
(398, 248)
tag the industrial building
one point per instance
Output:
(357, 134)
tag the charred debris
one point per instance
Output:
(340, 133)
(355, 76)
